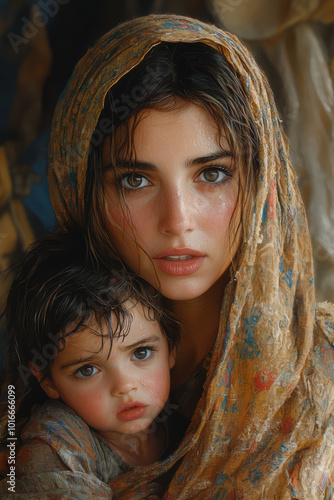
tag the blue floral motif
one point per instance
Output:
(329, 325)
(222, 478)
(250, 348)
(226, 379)
(192, 27)
(255, 475)
(286, 276)
(324, 360)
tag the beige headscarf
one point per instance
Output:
(294, 40)
(263, 428)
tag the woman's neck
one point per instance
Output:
(200, 322)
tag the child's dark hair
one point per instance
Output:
(58, 289)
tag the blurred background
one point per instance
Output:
(41, 41)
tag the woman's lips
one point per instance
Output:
(131, 411)
(179, 261)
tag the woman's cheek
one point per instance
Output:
(218, 215)
(124, 218)
(142, 220)
(138, 223)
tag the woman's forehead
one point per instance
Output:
(189, 127)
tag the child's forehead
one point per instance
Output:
(94, 335)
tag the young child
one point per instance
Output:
(100, 346)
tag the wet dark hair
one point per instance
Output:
(59, 289)
(172, 75)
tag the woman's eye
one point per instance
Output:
(133, 181)
(86, 371)
(142, 353)
(212, 175)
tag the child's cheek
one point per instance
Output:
(87, 405)
(159, 386)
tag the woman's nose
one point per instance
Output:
(122, 382)
(176, 211)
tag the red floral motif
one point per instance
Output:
(327, 356)
(237, 494)
(254, 447)
(294, 478)
(287, 425)
(264, 379)
(323, 481)
(227, 379)
(272, 199)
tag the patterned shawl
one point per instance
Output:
(263, 427)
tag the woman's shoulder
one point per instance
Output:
(320, 369)
(324, 320)
(323, 349)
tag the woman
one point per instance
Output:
(168, 149)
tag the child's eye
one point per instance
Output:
(142, 353)
(133, 181)
(214, 175)
(86, 371)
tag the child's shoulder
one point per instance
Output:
(53, 412)
(59, 453)
(71, 439)
(58, 425)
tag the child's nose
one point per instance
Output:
(122, 382)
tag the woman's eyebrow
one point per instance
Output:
(148, 166)
(132, 165)
(218, 155)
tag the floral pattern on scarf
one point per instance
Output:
(264, 425)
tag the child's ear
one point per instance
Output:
(172, 358)
(47, 385)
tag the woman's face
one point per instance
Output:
(174, 228)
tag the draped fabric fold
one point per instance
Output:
(259, 19)
(294, 42)
(265, 415)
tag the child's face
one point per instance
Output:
(120, 394)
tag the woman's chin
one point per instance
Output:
(182, 291)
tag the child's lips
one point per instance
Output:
(131, 411)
